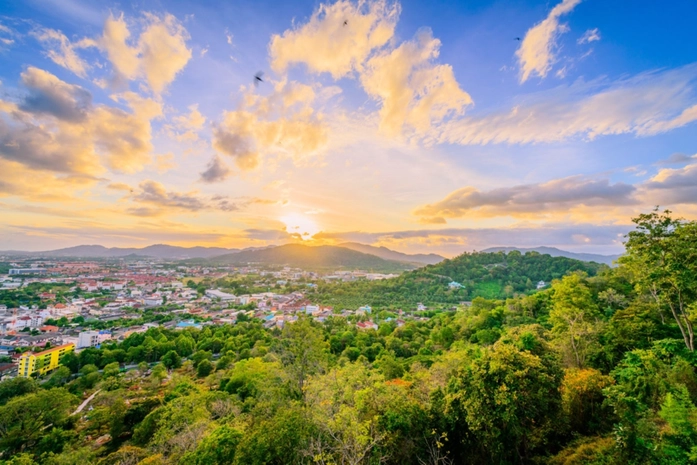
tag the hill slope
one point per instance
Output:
(491, 275)
(554, 252)
(313, 257)
(387, 254)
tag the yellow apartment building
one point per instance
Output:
(42, 362)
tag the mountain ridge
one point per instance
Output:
(555, 252)
(307, 256)
(389, 254)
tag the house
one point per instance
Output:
(366, 325)
(541, 285)
(216, 294)
(366, 309)
(455, 285)
(88, 339)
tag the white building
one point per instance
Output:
(310, 309)
(88, 339)
(216, 294)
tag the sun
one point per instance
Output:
(302, 225)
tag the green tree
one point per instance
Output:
(303, 351)
(574, 316)
(508, 398)
(205, 367)
(112, 370)
(171, 360)
(661, 254)
(16, 387)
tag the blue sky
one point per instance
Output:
(421, 126)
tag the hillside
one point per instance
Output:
(311, 257)
(387, 254)
(490, 275)
(554, 252)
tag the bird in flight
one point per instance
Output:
(517, 38)
(345, 22)
(257, 78)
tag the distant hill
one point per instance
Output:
(387, 254)
(162, 251)
(491, 275)
(554, 252)
(313, 257)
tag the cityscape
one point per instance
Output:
(348, 232)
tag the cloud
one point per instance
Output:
(46, 186)
(591, 35)
(454, 241)
(118, 186)
(50, 95)
(155, 194)
(412, 90)
(55, 129)
(537, 52)
(326, 45)
(124, 139)
(186, 127)
(556, 195)
(123, 57)
(672, 186)
(158, 55)
(216, 171)
(163, 50)
(62, 52)
(157, 200)
(283, 123)
(677, 159)
(646, 104)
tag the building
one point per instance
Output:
(455, 285)
(27, 270)
(42, 362)
(88, 339)
(310, 309)
(216, 294)
(541, 285)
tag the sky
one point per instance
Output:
(439, 126)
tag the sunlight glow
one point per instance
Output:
(301, 225)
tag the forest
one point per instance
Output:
(599, 368)
(491, 275)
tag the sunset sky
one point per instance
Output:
(421, 126)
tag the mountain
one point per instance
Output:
(162, 251)
(491, 275)
(387, 254)
(554, 252)
(313, 257)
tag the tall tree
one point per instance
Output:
(574, 316)
(662, 257)
(303, 351)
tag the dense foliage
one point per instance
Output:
(491, 275)
(594, 370)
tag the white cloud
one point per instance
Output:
(537, 52)
(558, 195)
(591, 35)
(57, 129)
(646, 104)
(338, 38)
(62, 52)
(283, 123)
(158, 55)
(412, 90)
